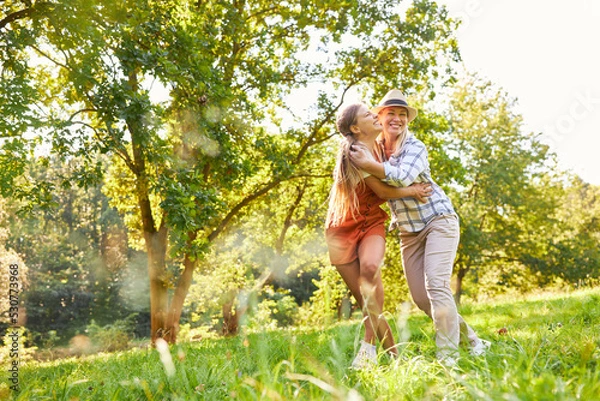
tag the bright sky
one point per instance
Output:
(547, 55)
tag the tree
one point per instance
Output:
(571, 254)
(14, 277)
(76, 252)
(505, 198)
(185, 168)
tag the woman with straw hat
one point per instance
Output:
(429, 231)
(355, 227)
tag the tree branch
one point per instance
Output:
(121, 151)
(245, 202)
(287, 223)
(250, 198)
(21, 14)
(86, 110)
(58, 63)
(311, 141)
(266, 11)
(25, 13)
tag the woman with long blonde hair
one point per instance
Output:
(355, 227)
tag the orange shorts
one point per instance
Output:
(343, 241)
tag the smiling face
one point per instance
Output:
(366, 123)
(394, 120)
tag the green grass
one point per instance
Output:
(550, 352)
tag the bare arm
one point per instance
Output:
(419, 191)
(361, 158)
(402, 175)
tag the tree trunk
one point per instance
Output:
(156, 240)
(232, 314)
(156, 246)
(181, 292)
(460, 275)
(231, 320)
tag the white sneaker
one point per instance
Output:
(366, 356)
(448, 361)
(480, 348)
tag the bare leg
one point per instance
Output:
(370, 255)
(350, 273)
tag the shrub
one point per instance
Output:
(112, 337)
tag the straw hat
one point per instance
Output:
(395, 98)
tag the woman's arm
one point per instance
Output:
(413, 163)
(361, 158)
(419, 191)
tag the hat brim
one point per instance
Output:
(412, 112)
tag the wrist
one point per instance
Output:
(369, 164)
(372, 166)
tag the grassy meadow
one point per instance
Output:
(550, 351)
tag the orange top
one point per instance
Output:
(343, 240)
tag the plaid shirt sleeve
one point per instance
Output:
(414, 162)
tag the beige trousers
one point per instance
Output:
(428, 257)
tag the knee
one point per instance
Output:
(369, 271)
(443, 313)
(442, 300)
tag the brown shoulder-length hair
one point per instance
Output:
(343, 200)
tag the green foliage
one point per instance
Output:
(508, 190)
(328, 301)
(241, 61)
(192, 163)
(51, 339)
(394, 282)
(172, 110)
(16, 340)
(78, 255)
(112, 337)
(276, 309)
(571, 254)
(224, 277)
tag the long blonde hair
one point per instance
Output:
(347, 178)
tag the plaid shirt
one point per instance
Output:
(401, 170)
